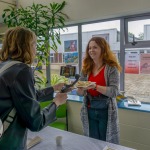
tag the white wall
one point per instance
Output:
(114, 45)
(134, 126)
(86, 36)
(135, 129)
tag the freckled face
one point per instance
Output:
(94, 50)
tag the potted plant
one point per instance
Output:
(46, 21)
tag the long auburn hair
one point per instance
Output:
(107, 56)
(17, 45)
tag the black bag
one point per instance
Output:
(4, 125)
(98, 102)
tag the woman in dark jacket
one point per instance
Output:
(17, 90)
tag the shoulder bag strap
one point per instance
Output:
(12, 113)
(8, 65)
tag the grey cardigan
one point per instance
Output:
(112, 82)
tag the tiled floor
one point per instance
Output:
(138, 85)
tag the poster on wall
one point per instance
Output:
(71, 57)
(145, 63)
(132, 63)
(70, 46)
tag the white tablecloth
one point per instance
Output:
(70, 141)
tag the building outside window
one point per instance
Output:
(67, 53)
(137, 57)
(136, 51)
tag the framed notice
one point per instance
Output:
(70, 46)
(71, 57)
(145, 63)
(132, 63)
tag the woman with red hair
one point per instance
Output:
(99, 112)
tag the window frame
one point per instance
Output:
(124, 44)
(139, 44)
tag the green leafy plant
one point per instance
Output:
(55, 79)
(46, 21)
(40, 80)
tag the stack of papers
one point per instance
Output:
(132, 101)
(136, 103)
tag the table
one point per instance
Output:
(70, 141)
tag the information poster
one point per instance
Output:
(70, 46)
(145, 64)
(71, 57)
(132, 63)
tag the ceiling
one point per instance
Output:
(89, 10)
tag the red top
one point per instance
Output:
(99, 79)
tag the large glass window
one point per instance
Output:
(132, 35)
(137, 30)
(137, 58)
(67, 53)
(137, 73)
